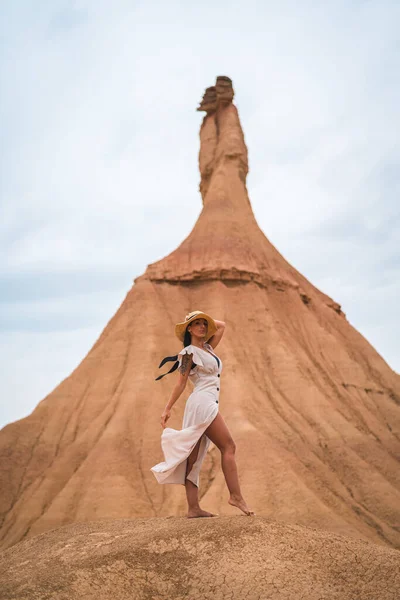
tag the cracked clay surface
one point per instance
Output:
(181, 559)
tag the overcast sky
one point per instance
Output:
(99, 145)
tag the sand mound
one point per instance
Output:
(177, 558)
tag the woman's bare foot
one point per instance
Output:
(195, 513)
(240, 503)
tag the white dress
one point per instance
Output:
(200, 410)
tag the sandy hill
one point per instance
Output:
(192, 559)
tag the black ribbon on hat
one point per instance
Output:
(173, 368)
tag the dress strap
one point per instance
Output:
(172, 369)
(191, 350)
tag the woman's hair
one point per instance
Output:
(187, 340)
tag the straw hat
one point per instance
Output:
(180, 328)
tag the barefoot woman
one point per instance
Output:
(184, 450)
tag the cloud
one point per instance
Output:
(98, 166)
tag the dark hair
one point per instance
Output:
(187, 340)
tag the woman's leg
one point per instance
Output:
(219, 434)
(192, 491)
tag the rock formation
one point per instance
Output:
(211, 559)
(313, 408)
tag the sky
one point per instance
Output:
(99, 150)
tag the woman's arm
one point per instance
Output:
(216, 338)
(184, 371)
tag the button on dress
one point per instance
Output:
(200, 411)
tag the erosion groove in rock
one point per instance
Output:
(313, 408)
(188, 559)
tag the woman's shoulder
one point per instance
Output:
(187, 349)
(194, 351)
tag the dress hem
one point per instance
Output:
(172, 468)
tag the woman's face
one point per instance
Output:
(198, 327)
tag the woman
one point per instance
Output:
(184, 450)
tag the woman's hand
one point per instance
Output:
(219, 323)
(216, 338)
(164, 417)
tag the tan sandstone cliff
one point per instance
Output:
(313, 408)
